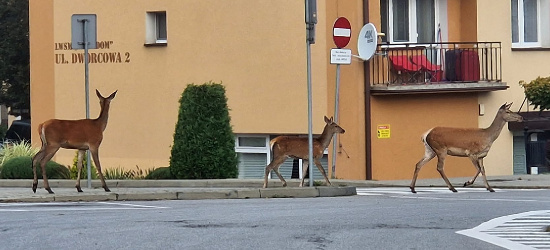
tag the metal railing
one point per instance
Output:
(425, 63)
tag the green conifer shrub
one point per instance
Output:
(204, 143)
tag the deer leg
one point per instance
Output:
(476, 164)
(36, 159)
(305, 166)
(49, 153)
(480, 163)
(440, 164)
(79, 169)
(95, 155)
(428, 155)
(274, 165)
(322, 170)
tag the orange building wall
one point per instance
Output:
(256, 49)
(409, 116)
(350, 157)
(41, 55)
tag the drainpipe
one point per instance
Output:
(366, 67)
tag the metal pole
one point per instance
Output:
(309, 111)
(334, 137)
(87, 87)
(310, 26)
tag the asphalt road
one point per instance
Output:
(377, 218)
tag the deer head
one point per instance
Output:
(509, 115)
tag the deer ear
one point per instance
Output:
(112, 95)
(503, 106)
(509, 105)
(327, 120)
(98, 94)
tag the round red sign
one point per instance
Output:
(341, 32)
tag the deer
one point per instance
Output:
(82, 135)
(284, 147)
(473, 143)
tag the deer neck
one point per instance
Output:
(325, 137)
(496, 127)
(103, 116)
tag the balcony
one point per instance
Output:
(413, 68)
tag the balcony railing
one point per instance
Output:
(436, 63)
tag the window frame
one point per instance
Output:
(153, 28)
(520, 27)
(412, 22)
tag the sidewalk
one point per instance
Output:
(20, 190)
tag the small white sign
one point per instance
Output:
(340, 56)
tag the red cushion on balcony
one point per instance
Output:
(402, 63)
(422, 61)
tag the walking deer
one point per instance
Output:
(285, 147)
(473, 143)
(81, 135)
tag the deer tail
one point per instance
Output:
(272, 142)
(424, 140)
(42, 134)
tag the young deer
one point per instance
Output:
(473, 143)
(72, 134)
(284, 147)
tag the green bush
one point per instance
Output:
(84, 174)
(20, 168)
(204, 143)
(123, 174)
(538, 92)
(13, 150)
(162, 173)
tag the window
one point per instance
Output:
(408, 21)
(253, 152)
(155, 33)
(254, 155)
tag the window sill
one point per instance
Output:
(155, 44)
(531, 49)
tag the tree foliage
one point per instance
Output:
(204, 143)
(538, 92)
(14, 55)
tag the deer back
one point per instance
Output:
(472, 140)
(72, 133)
(297, 147)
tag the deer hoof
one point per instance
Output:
(49, 190)
(453, 189)
(491, 190)
(79, 189)
(34, 187)
(412, 190)
(284, 184)
(107, 189)
(467, 184)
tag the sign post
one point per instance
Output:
(311, 20)
(84, 36)
(341, 34)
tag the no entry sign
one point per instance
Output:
(341, 32)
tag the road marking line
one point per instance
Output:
(488, 231)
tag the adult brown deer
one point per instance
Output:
(72, 134)
(473, 143)
(285, 147)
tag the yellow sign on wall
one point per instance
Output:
(383, 131)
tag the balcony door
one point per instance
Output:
(412, 21)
